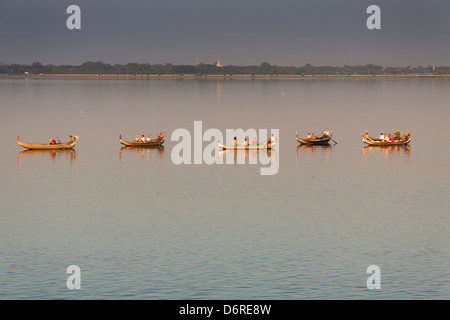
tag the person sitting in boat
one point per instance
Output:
(245, 143)
(147, 139)
(381, 137)
(160, 136)
(325, 134)
(308, 136)
(142, 138)
(137, 138)
(397, 135)
(52, 141)
(254, 141)
(386, 137)
(273, 139)
(313, 136)
(235, 142)
(72, 139)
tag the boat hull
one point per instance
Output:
(314, 142)
(249, 147)
(377, 142)
(152, 143)
(40, 146)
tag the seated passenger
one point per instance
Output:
(136, 139)
(386, 137)
(52, 141)
(381, 137)
(308, 136)
(147, 139)
(397, 135)
(142, 138)
(254, 141)
(245, 143)
(235, 142)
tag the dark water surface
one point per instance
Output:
(141, 227)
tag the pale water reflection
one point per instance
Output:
(54, 155)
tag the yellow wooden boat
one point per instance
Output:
(42, 146)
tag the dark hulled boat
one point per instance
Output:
(158, 142)
(325, 139)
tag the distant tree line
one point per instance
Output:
(205, 69)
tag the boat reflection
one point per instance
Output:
(387, 151)
(143, 152)
(246, 156)
(310, 150)
(53, 155)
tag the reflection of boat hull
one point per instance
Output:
(36, 152)
(314, 146)
(406, 147)
(151, 144)
(377, 142)
(67, 153)
(144, 147)
(58, 146)
(317, 141)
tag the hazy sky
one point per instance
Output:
(239, 32)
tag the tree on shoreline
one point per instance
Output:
(134, 68)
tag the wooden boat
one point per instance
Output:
(152, 143)
(40, 146)
(317, 141)
(382, 143)
(246, 148)
(267, 146)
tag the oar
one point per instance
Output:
(334, 141)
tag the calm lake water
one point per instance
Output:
(141, 227)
